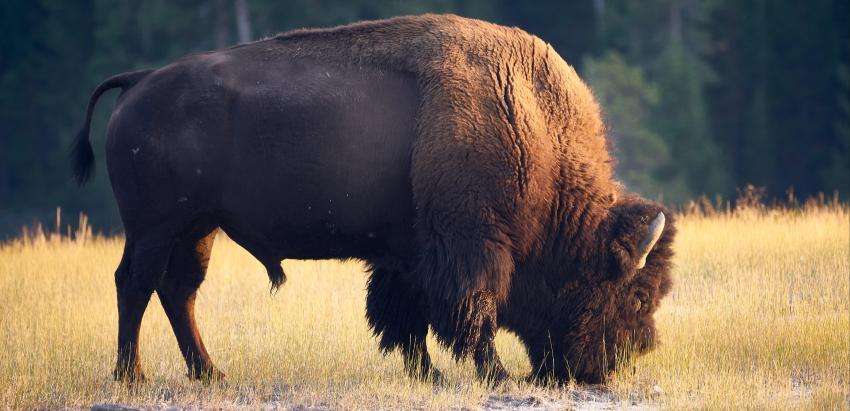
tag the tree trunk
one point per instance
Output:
(221, 29)
(243, 21)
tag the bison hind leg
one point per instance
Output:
(178, 291)
(141, 269)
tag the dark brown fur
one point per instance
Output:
(504, 210)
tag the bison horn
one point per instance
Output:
(649, 240)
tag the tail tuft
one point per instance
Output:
(82, 157)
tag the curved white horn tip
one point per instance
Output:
(656, 227)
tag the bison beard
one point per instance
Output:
(465, 162)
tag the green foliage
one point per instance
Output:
(836, 173)
(680, 118)
(628, 100)
(777, 98)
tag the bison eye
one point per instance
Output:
(637, 303)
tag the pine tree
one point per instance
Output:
(628, 100)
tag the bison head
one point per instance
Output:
(602, 312)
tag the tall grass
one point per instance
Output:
(759, 317)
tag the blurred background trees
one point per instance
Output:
(700, 96)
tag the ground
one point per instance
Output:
(759, 317)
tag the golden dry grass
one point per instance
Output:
(759, 317)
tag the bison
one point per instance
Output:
(465, 162)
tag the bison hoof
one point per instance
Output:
(504, 385)
(500, 381)
(128, 375)
(431, 374)
(209, 375)
(436, 377)
(541, 379)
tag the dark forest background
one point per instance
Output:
(701, 97)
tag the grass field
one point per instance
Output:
(759, 317)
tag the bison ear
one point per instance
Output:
(635, 234)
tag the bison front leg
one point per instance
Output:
(463, 283)
(395, 310)
(131, 308)
(488, 365)
(473, 331)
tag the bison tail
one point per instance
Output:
(82, 155)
